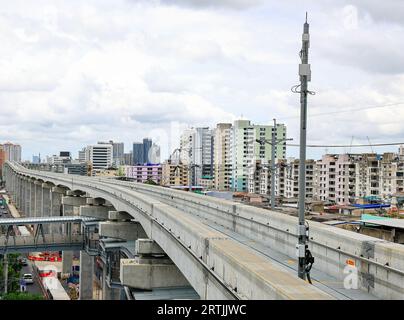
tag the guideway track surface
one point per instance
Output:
(379, 260)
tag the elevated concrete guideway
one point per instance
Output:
(215, 265)
(378, 264)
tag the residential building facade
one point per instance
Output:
(144, 173)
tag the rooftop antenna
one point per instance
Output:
(350, 147)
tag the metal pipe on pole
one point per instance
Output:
(305, 76)
(273, 165)
(5, 273)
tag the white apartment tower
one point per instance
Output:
(246, 150)
(196, 146)
(222, 156)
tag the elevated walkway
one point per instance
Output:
(10, 241)
(48, 242)
(46, 220)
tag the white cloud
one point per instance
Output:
(74, 73)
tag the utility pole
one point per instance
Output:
(189, 170)
(305, 76)
(273, 165)
(5, 273)
(274, 142)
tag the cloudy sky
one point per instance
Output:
(76, 72)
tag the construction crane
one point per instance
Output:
(350, 146)
(371, 148)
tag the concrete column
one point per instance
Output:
(67, 261)
(46, 203)
(38, 198)
(71, 205)
(32, 199)
(22, 197)
(86, 276)
(107, 292)
(56, 207)
(69, 202)
(20, 194)
(27, 197)
(17, 192)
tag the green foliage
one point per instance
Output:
(22, 296)
(14, 268)
(151, 182)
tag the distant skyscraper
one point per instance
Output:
(35, 159)
(138, 155)
(155, 153)
(82, 155)
(117, 152)
(128, 158)
(197, 149)
(147, 144)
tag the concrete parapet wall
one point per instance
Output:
(194, 247)
(332, 247)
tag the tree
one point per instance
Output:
(22, 296)
(151, 182)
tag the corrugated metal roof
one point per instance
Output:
(393, 223)
(44, 220)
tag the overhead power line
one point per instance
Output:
(348, 110)
(348, 145)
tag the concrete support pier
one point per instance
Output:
(86, 276)
(107, 292)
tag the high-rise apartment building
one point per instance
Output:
(196, 147)
(144, 173)
(12, 151)
(286, 178)
(291, 178)
(82, 155)
(138, 153)
(117, 153)
(174, 174)
(128, 158)
(147, 146)
(246, 150)
(145, 152)
(222, 156)
(155, 154)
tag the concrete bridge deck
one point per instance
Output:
(203, 236)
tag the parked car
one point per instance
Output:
(28, 278)
(23, 261)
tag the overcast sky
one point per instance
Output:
(75, 72)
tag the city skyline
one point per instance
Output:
(124, 78)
